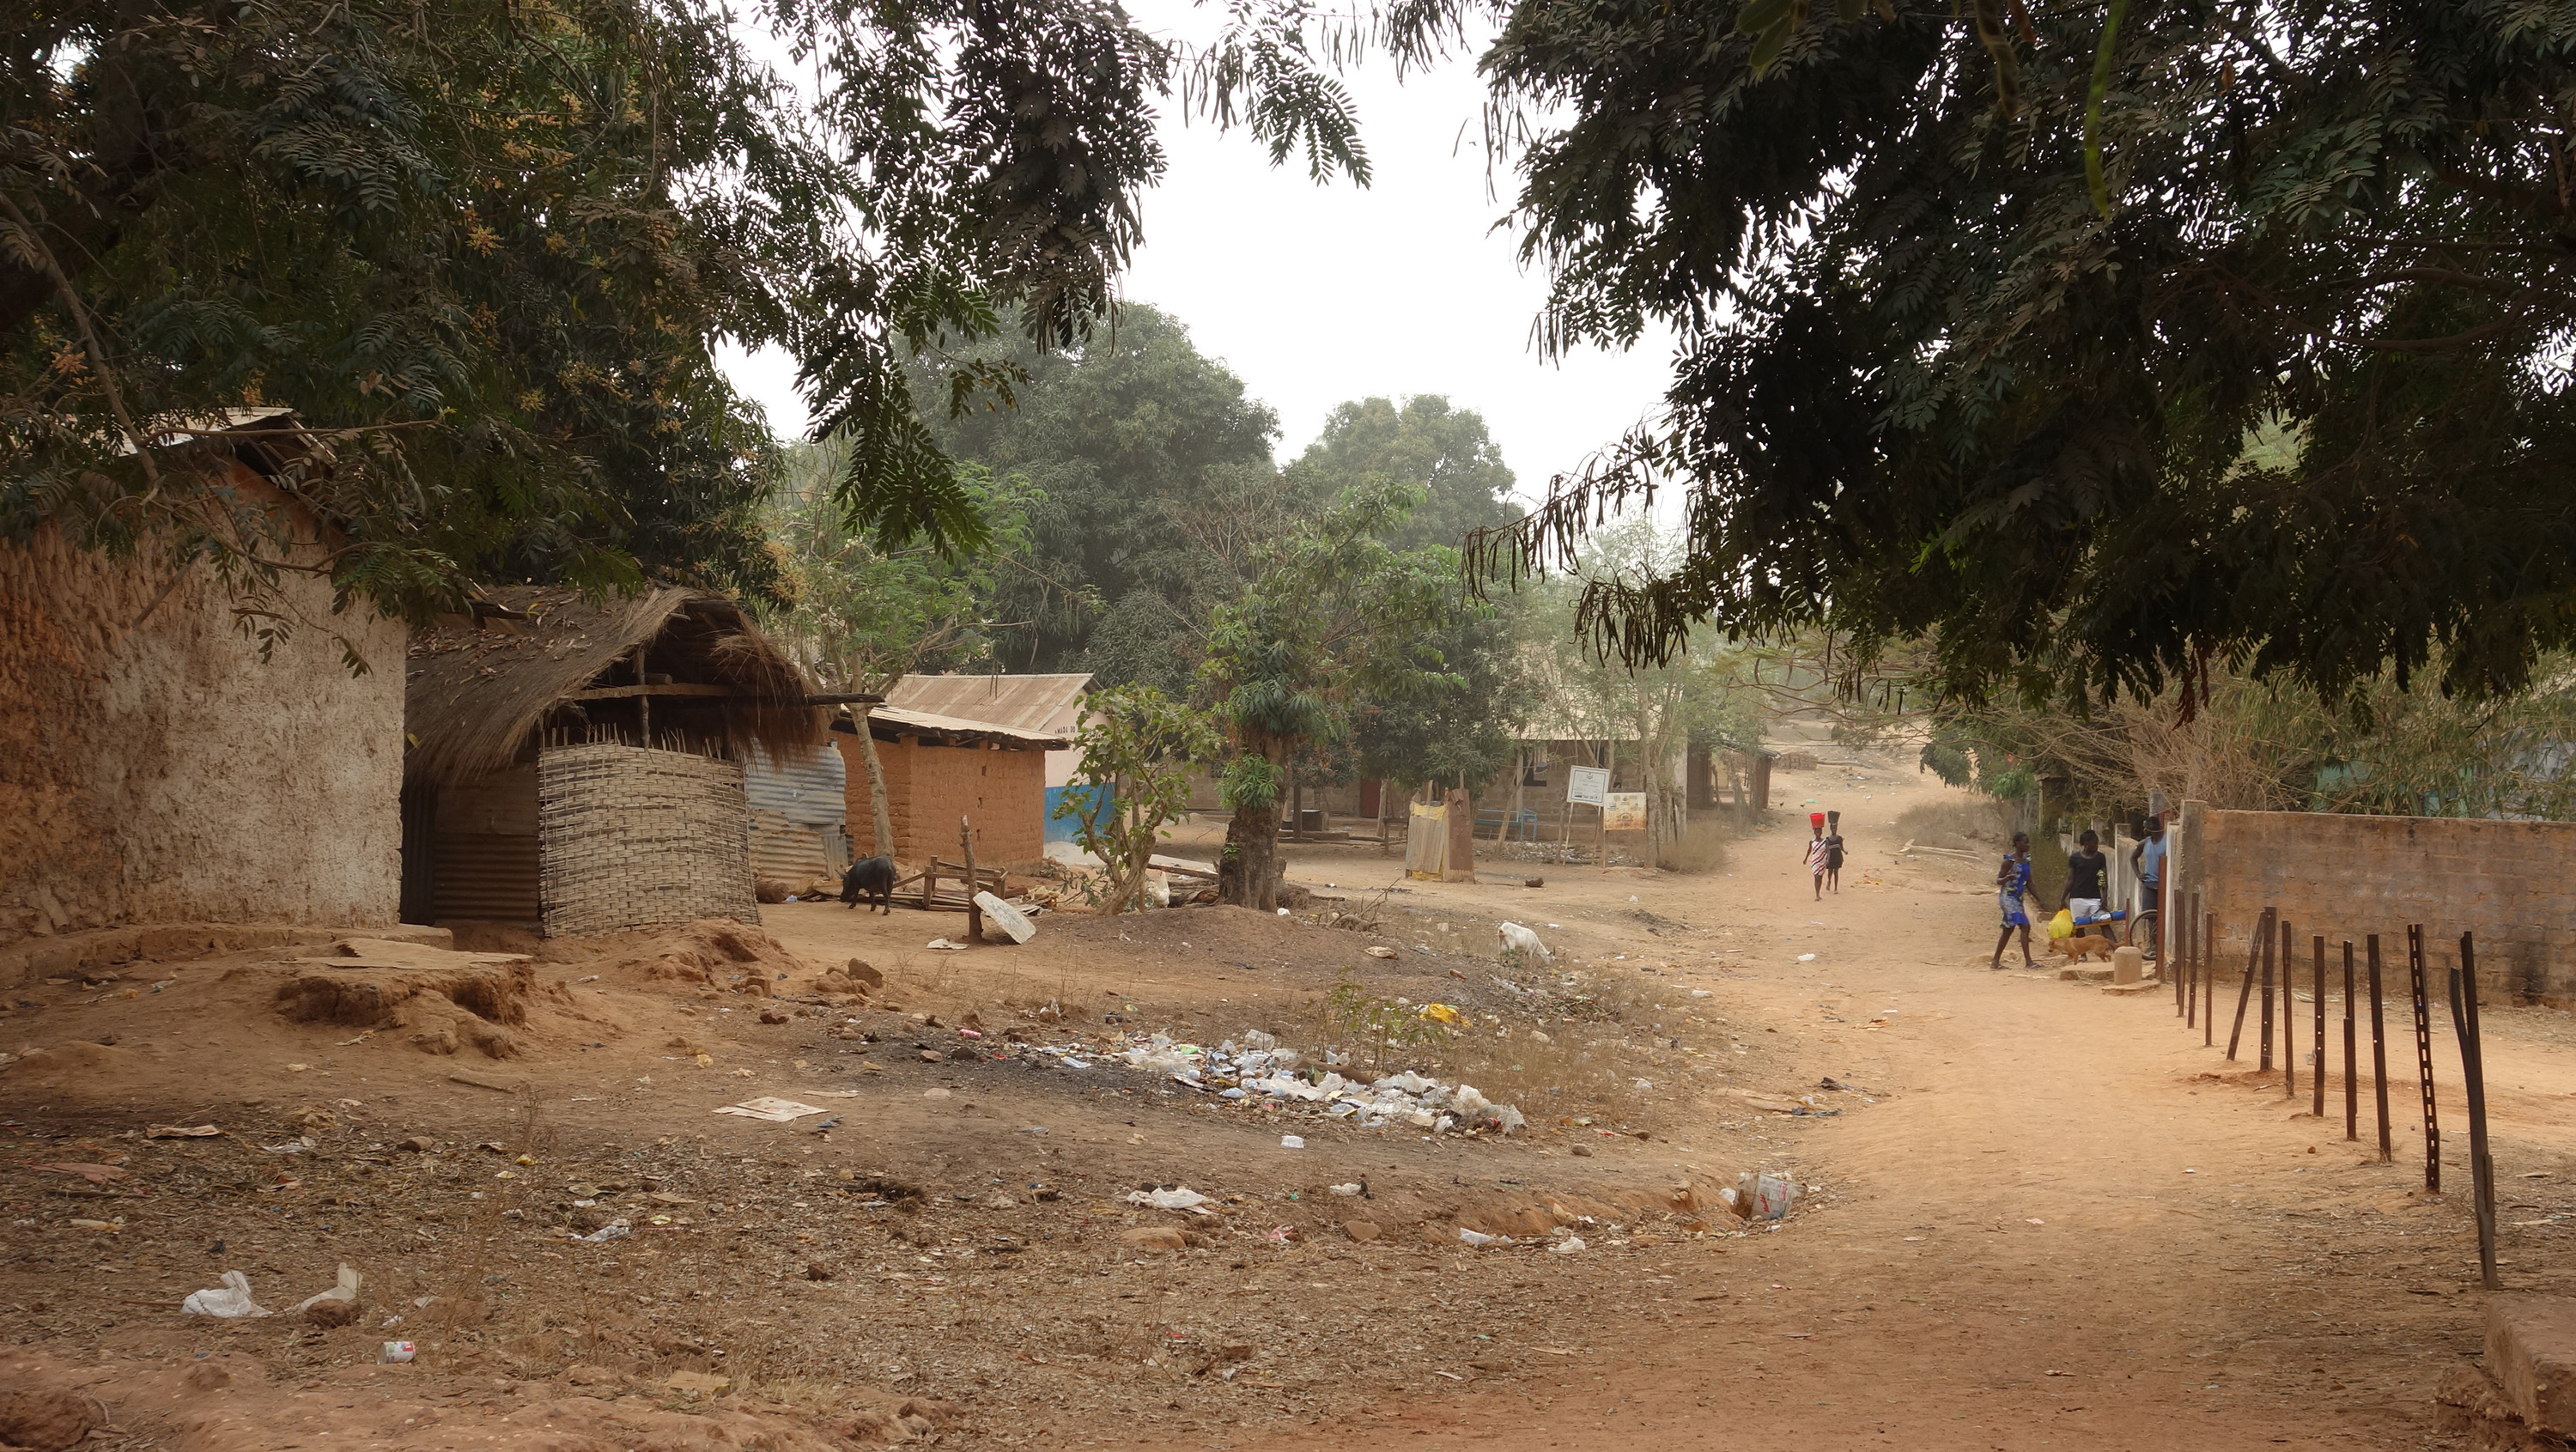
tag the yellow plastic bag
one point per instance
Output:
(2062, 925)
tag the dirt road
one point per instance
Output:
(2038, 1214)
(2064, 1222)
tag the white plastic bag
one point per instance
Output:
(1183, 1198)
(231, 1299)
(346, 1290)
(1764, 1197)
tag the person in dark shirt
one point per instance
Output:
(2085, 873)
(1833, 851)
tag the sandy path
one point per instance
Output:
(2048, 1217)
(2049, 1231)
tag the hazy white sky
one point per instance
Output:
(1314, 295)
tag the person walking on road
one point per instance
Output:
(2012, 881)
(1816, 857)
(1834, 852)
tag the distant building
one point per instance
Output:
(580, 766)
(939, 769)
(153, 769)
(1048, 705)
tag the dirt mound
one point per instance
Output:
(226, 1403)
(443, 1000)
(72, 1064)
(712, 953)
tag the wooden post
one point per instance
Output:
(2289, 1014)
(643, 703)
(2379, 1052)
(2473, 1076)
(966, 850)
(2317, 1065)
(2263, 1055)
(2424, 1056)
(2351, 1079)
(2245, 990)
(2208, 962)
(929, 880)
(2174, 965)
(2190, 969)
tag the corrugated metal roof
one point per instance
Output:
(889, 722)
(1051, 705)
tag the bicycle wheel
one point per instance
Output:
(2142, 931)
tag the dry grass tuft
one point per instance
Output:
(1965, 825)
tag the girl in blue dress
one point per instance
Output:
(2012, 880)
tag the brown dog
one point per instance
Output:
(2081, 948)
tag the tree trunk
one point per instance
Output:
(883, 815)
(1248, 874)
(1654, 799)
(1135, 857)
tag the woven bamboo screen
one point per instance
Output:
(632, 838)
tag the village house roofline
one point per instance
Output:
(1043, 703)
(893, 723)
(479, 689)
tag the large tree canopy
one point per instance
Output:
(486, 248)
(1426, 441)
(1930, 380)
(1151, 457)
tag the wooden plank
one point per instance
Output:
(676, 688)
(707, 691)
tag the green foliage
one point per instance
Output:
(1157, 478)
(1367, 1026)
(858, 612)
(1428, 442)
(1252, 783)
(2383, 748)
(1334, 610)
(1979, 307)
(1333, 613)
(1138, 746)
(487, 249)
(1462, 723)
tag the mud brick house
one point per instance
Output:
(941, 768)
(1048, 705)
(153, 767)
(580, 767)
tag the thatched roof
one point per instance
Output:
(481, 690)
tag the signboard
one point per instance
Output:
(1624, 812)
(1588, 784)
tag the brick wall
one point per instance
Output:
(2350, 876)
(929, 787)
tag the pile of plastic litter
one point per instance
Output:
(1258, 1070)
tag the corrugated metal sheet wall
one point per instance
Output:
(797, 813)
(486, 877)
